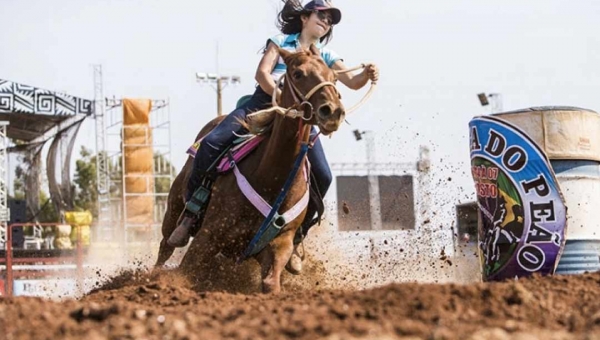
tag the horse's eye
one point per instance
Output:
(297, 74)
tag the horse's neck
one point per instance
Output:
(282, 146)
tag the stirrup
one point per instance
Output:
(198, 201)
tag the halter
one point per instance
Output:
(300, 99)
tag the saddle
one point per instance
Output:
(234, 154)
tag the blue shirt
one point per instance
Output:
(291, 43)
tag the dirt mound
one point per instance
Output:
(165, 305)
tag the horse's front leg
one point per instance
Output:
(197, 260)
(164, 253)
(273, 259)
(175, 205)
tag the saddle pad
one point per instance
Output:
(239, 151)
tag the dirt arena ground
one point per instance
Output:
(138, 304)
(367, 288)
(166, 307)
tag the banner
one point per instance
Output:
(521, 208)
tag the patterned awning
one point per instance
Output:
(19, 98)
(32, 111)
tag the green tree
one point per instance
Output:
(47, 211)
(19, 183)
(86, 190)
(163, 168)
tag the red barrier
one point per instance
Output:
(10, 260)
(2, 290)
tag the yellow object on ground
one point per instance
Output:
(79, 220)
(62, 238)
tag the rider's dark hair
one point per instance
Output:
(289, 19)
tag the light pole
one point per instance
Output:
(221, 81)
(373, 180)
(370, 146)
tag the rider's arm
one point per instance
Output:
(265, 67)
(355, 81)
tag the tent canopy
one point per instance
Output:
(33, 112)
(36, 116)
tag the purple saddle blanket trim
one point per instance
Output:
(238, 152)
(193, 149)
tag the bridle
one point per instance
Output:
(302, 101)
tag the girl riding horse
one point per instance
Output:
(300, 26)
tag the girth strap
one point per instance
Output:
(261, 205)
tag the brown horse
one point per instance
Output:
(231, 220)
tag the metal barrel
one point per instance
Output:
(580, 184)
(579, 257)
(570, 137)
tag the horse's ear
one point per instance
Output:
(284, 53)
(315, 50)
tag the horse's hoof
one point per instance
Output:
(294, 265)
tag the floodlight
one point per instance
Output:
(483, 99)
(201, 76)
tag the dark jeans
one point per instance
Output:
(222, 135)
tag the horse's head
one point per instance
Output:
(310, 84)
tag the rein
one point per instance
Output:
(366, 96)
(303, 100)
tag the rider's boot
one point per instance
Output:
(189, 218)
(181, 235)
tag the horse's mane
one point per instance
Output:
(260, 124)
(263, 123)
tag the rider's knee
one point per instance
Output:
(212, 141)
(327, 176)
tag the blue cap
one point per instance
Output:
(325, 5)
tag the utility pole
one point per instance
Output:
(221, 81)
(219, 97)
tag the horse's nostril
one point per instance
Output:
(325, 110)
